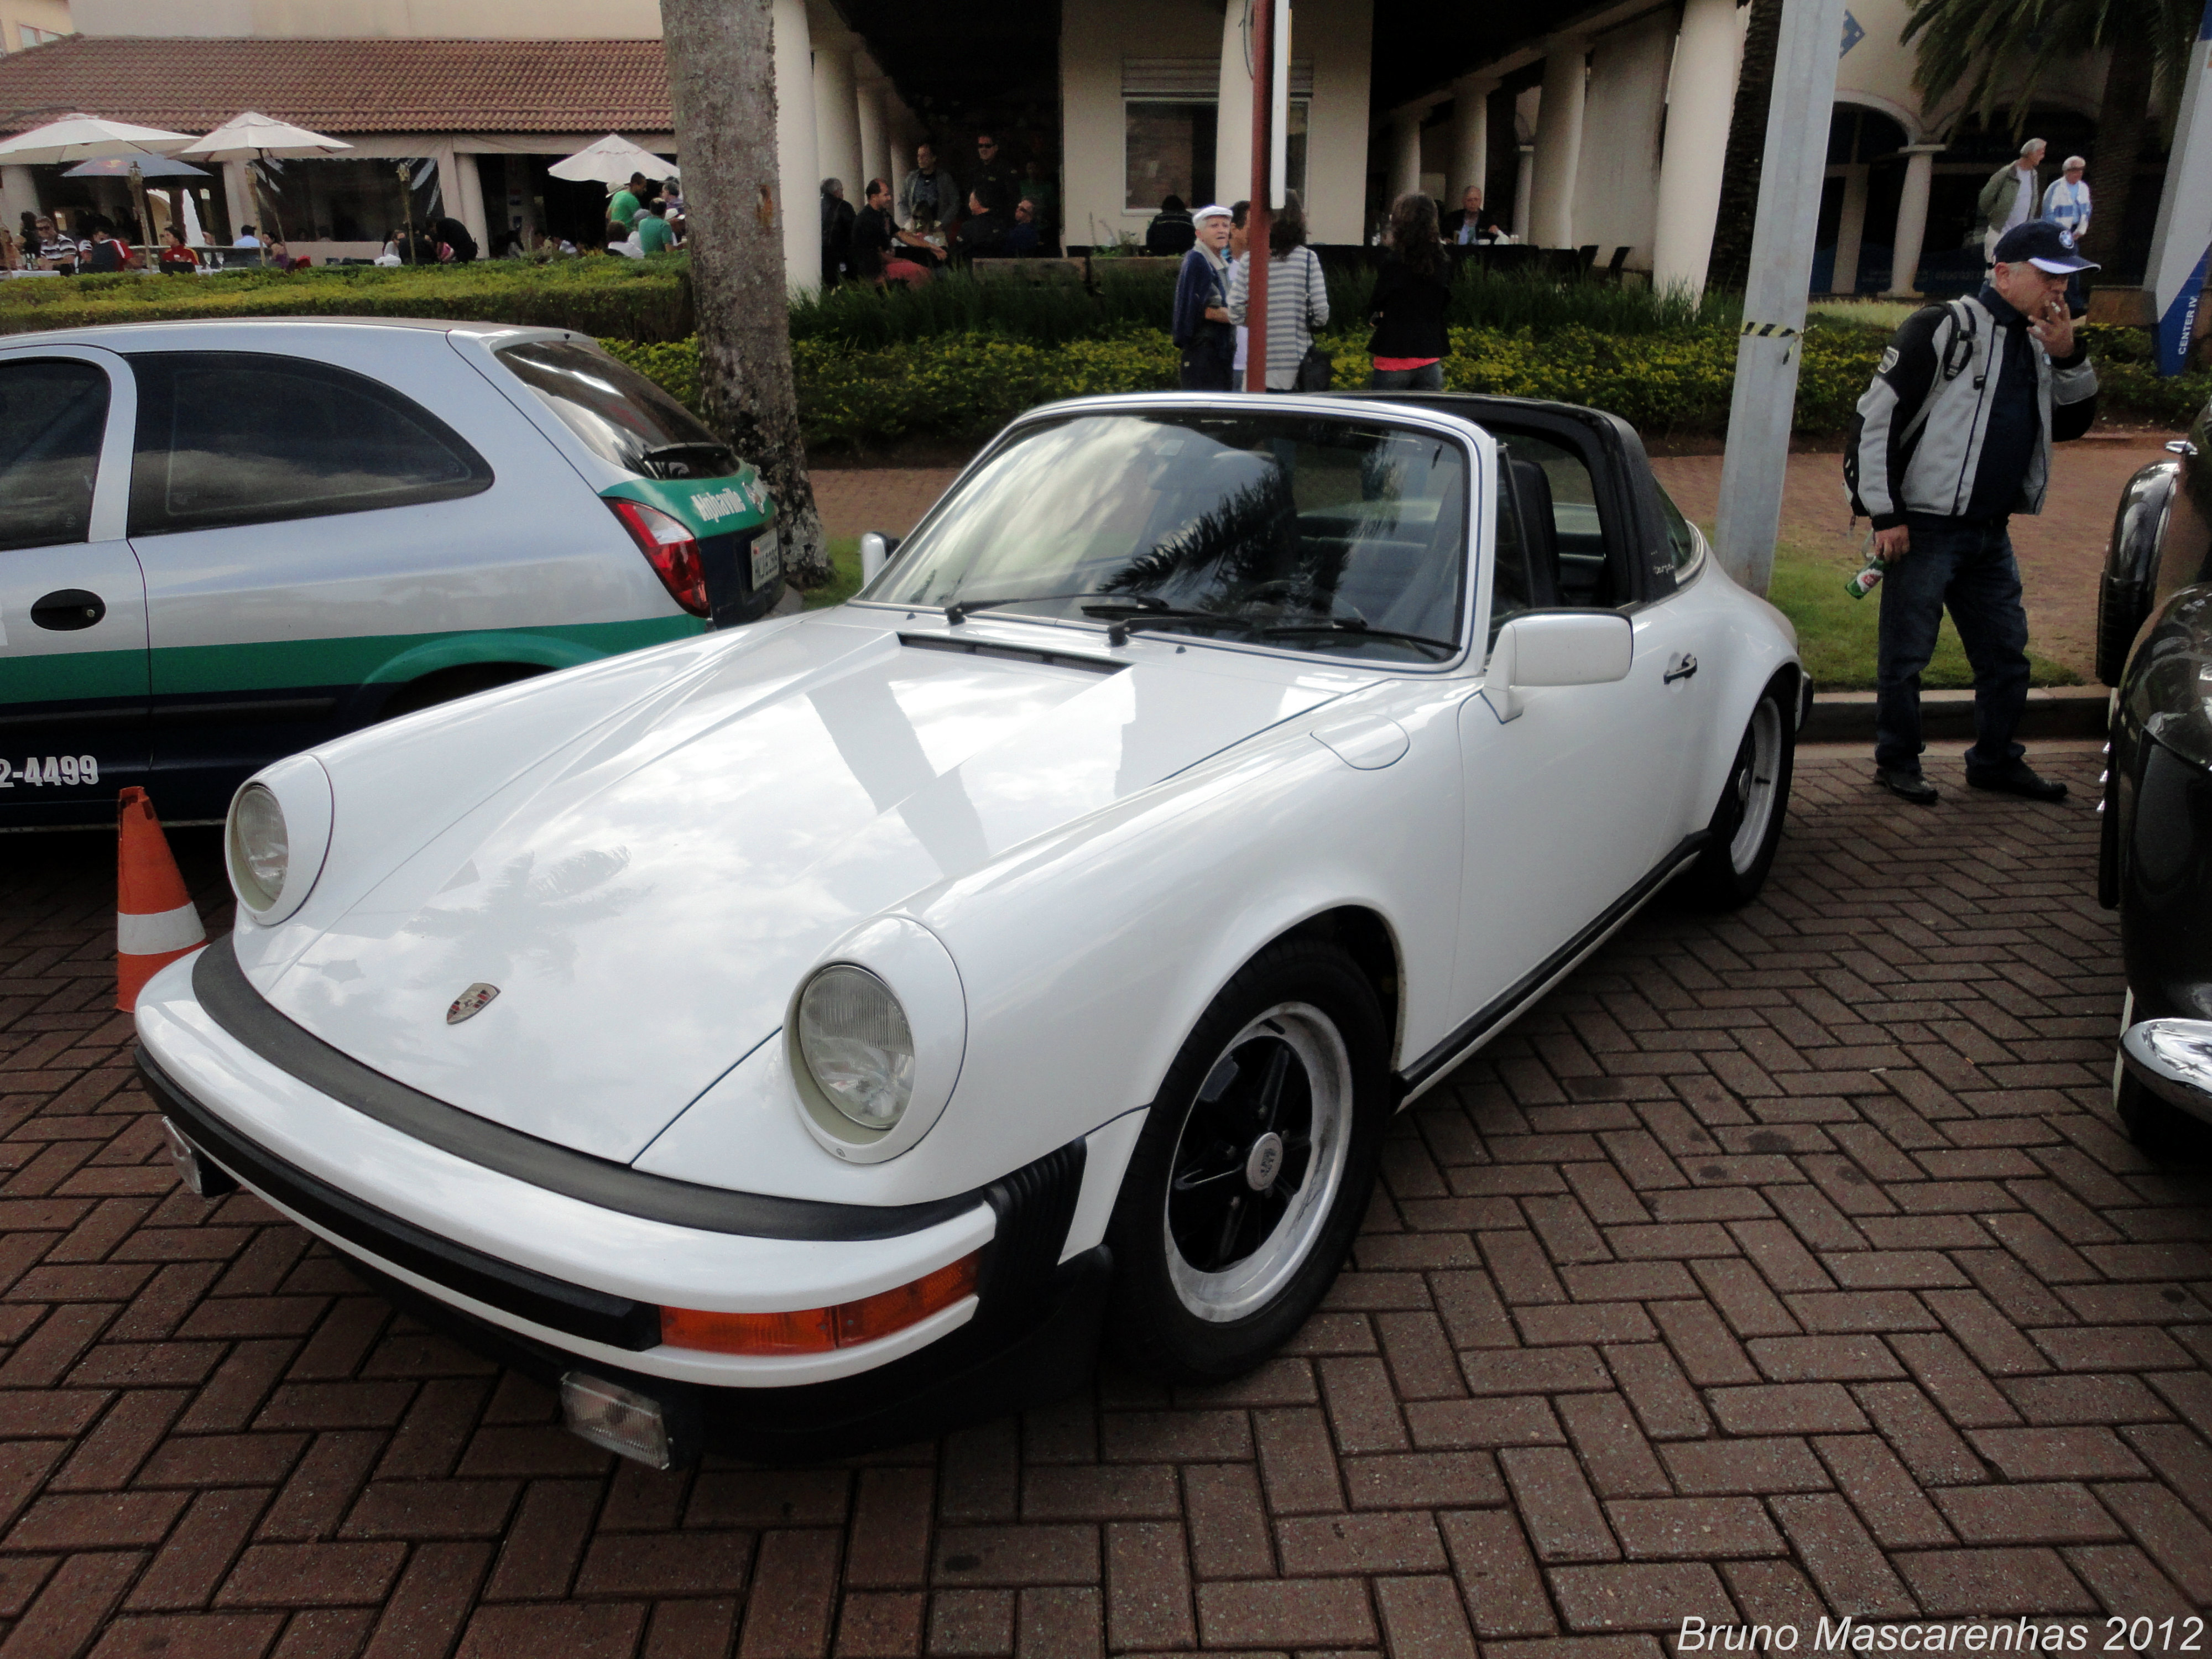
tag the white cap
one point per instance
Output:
(1216, 211)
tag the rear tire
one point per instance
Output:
(1745, 829)
(1254, 1169)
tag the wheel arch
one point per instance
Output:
(489, 648)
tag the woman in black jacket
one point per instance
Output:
(1411, 292)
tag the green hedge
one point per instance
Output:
(635, 300)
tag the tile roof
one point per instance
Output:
(339, 87)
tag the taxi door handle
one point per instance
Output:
(67, 609)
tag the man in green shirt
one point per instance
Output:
(654, 234)
(623, 210)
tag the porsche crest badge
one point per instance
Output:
(470, 1002)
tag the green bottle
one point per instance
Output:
(1865, 582)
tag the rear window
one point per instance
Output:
(622, 417)
(228, 438)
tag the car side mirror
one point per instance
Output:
(877, 549)
(1556, 648)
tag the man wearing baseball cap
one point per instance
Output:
(1953, 437)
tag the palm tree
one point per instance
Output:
(721, 79)
(1731, 265)
(2006, 49)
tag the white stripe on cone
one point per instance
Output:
(162, 931)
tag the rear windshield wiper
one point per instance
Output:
(1354, 626)
(660, 452)
(959, 612)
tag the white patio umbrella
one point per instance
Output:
(611, 161)
(82, 137)
(252, 137)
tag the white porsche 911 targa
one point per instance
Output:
(807, 1036)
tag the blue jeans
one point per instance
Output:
(1967, 567)
(1428, 377)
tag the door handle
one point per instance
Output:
(1682, 670)
(67, 609)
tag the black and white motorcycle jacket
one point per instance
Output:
(1915, 442)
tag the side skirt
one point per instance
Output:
(1425, 1073)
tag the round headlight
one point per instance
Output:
(857, 1045)
(260, 852)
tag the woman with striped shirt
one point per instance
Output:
(1297, 297)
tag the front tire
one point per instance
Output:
(1745, 829)
(1254, 1169)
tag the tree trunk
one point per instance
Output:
(2121, 120)
(1731, 265)
(721, 79)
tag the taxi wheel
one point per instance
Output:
(1253, 1167)
(1747, 825)
(451, 682)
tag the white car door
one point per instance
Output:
(73, 670)
(1574, 804)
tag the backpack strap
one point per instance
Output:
(1958, 353)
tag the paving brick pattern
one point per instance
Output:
(1777, 1266)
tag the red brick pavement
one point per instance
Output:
(1777, 1266)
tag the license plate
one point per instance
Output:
(768, 560)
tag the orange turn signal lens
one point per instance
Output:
(818, 1330)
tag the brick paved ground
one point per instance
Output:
(1785, 1263)
(2061, 551)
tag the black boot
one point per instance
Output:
(1908, 785)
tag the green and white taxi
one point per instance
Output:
(222, 543)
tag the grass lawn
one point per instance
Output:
(845, 558)
(1835, 633)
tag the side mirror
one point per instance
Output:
(1556, 648)
(876, 551)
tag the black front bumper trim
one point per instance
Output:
(615, 1321)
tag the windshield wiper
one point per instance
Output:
(959, 612)
(660, 452)
(1354, 625)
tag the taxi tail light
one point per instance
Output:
(819, 1330)
(670, 548)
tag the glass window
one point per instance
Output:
(236, 437)
(1170, 152)
(325, 199)
(622, 416)
(1681, 539)
(1577, 533)
(53, 416)
(1337, 536)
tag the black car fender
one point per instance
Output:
(2131, 563)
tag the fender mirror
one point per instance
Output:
(1556, 648)
(877, 549)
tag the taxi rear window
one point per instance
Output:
(622, 417)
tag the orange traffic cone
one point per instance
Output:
(156, 921)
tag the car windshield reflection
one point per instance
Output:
(1333, 537)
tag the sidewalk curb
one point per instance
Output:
(2065, 711)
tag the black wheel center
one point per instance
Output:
(1245, 1150)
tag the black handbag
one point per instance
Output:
(1316, 370)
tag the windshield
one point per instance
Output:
(621, 416)
(1315, 534)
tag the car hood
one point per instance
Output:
(646, 898)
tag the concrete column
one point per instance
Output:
(1851, 231)
(1405, 153)
(464, 193)
(1911, 221)
(1470, 138)
(1558, 143)
(797, 163)
(239, 198)
(19, 194)
(875, 142)
(1232, 131)
(1524, 186)
(838, 121)
(1700, 99)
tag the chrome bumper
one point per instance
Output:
(2173, 1059)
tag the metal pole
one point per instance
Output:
(1768, 352)
(2183, 242)
(407, 207)
(1258, 218)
